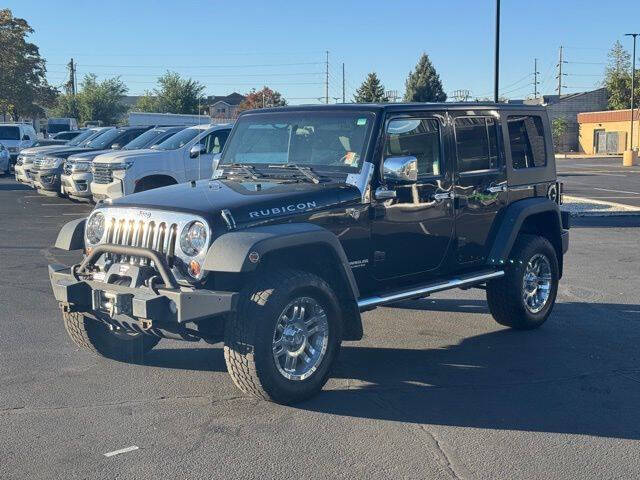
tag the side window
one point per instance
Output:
(217, 141)
(526, 138)
(418, 138)
(476, 143)
(127, 137)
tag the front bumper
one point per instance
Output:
(77, 184)
(21, 175)
(163, 308)
(102, 191)
(48, 180)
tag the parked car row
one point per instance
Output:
(110, 162)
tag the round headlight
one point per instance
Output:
(193, 239)
(95, 228)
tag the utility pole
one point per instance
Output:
(326, 79)
(630, 155)
(535, 78)
(496, 72)
(560, 62)
(72, 77)
(633, 81)
(343, 94)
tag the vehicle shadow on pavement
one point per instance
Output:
(555, 379)
(577, 374)
(621, 221)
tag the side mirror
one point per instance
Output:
(197, 150)
(116, 146)
(25, 138)
(400, 169)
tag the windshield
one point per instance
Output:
(82, 137)
(102, 141)
(335, 140)
(179, 139)
(143, 141)
(9, 133)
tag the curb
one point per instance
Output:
(579, 207)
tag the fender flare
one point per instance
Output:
(71, 236)
(230, 251)
(511, 223)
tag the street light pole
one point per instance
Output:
(496, 73)
(628, 159)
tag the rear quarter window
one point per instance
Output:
(527, 142)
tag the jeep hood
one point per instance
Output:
(250, 203)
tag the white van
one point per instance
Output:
(15, 137)
(57, 125)
(187, 155)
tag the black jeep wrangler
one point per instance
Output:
(316, 214)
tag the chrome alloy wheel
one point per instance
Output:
(536, 283)
(300, 339)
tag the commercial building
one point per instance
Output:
(608, 131)
(568, 107)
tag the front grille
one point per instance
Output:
(153, 234)
(102, 173)
(67, 168)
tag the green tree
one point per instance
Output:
(265, 98)
(371, 91)
(174, 94)
(423, 84)
(101, 100)
(558, 129)
(66, 106)
(24, 90)
(617, 78)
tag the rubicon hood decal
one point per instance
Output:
(283, 210)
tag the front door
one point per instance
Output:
(480, 185)
(201, 166)
(411, 233)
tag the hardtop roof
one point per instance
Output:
(398, 107)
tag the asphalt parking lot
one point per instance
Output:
(602, 178)
(437, 389)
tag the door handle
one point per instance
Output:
(497, 189)
(443, 196)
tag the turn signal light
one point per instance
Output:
(194, 269)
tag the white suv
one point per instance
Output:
(187, 155)
(15, 137)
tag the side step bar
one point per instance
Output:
(456, 282)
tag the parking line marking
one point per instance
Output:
(122, 450)
(616, 191)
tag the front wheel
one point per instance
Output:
(97, 338)
(524, 297)
(284, 338)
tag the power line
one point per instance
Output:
(198, 66)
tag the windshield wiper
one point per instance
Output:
(306, 171)
(247, 170)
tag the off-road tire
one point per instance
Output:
(249, 335)
(96, 337)
(504, 295)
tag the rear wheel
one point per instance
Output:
(97, 338)
(284, 338)
(524, 297)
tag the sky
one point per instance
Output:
(239, 45)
